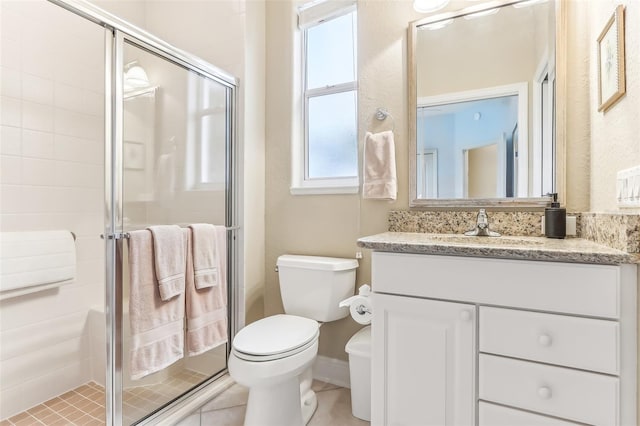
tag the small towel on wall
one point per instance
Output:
(169, 256)
(157, 326)
(207, 307)
(379, 175)
(35, 260)
(205, 257)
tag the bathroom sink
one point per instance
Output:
(484, 241)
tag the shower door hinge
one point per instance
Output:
(116, 236)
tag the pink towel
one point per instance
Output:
(157, 326)
(207, 307)
(379, 175)
(205, 255)
(169, 255)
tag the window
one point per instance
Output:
(329, 160)
(207, 134)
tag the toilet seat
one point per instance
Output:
(275, 337)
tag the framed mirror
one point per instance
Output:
(486, 110)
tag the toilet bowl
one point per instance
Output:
(273, 356)
(269, 357)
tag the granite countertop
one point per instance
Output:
(575, 250)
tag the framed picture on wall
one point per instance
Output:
(133, 154)
(611, 75)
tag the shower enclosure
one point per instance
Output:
(105, 130)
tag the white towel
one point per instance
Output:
(207, 307)
(157, 326)
(35, 261)
(205, 257)
(379, 176)
(169, 258)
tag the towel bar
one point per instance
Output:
(125, 235)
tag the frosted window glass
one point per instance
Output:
(332, 144)
(330, 52)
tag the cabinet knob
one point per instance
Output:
(544, 340)
(465, 315)
(544, 392)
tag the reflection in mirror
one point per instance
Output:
(483, 92)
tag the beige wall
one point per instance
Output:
(615, 134)
(329, 225)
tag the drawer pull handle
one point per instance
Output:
(465, 315)
(544, 340)
(544, 392)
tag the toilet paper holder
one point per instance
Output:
(361, 310)
(363, 291)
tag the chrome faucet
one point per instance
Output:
(482, 226)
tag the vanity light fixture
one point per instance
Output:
(436, 25)
(482, 13)
(428, 6)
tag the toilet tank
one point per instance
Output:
(312, 286)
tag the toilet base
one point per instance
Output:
(260, 406)
(309, 400)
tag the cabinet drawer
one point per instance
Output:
(589, 344)
(549, 286)
(574, 395)
(496, 415)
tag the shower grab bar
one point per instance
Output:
(126, 235)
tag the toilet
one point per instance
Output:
(273, 356)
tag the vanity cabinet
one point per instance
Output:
(490, 342)
(425, 354)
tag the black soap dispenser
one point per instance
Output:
(555, 219)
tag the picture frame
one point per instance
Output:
(611, 61)
(133, 155)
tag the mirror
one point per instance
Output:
(486, 123)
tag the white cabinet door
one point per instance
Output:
(423, 362)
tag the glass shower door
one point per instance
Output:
(175, 162)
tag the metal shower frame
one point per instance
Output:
(117, 32)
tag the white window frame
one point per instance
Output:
(301, 184)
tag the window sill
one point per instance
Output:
(324, 190)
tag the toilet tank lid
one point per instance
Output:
(317, 262)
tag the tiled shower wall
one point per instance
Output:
(52, 167)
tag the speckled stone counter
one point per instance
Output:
(575, 250)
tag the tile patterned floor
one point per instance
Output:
(84, 406)
(227, 409)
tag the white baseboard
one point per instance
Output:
(332, 370)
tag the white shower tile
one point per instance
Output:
(11, 82)
(10, 54)
(10, 24)
(10, 170)
(38, 172)
(38, 49)
(69, 123)
(37, 116)
(69, 97)
(78, 175)
(11, 199)
(71, 148)
(10, 140)
(37, 144)
(38, 199)
(37, 89)
(11, 111)
(33, 337)
(93, 102)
